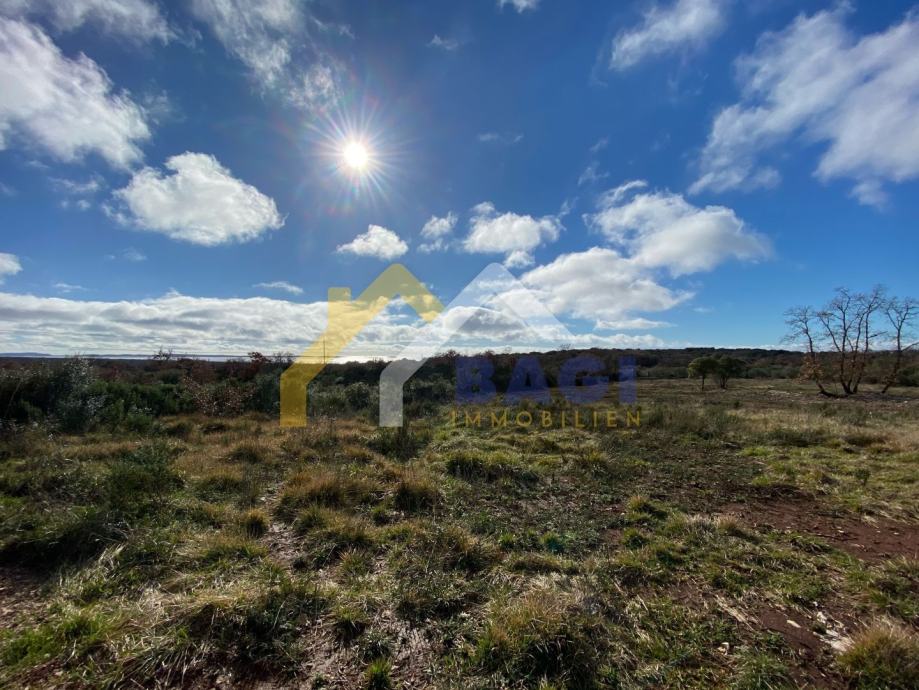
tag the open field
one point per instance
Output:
(754, 537)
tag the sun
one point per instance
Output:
(356, 156)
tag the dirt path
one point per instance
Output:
(875, 541)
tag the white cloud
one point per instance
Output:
(817, 82)
(684, 24)
(69, 287)
(662, 230)
(633, 323)
(508, 139)
(187, 324)
(601, 144)
(77, 188)
(377, 242)
(519, 5)
(62, 106)
(317, 89)
(271, 38)
(199, 202)
(510, 234)
(448, 44)
(257, 32)
(9, 265)
(138, 20)
(205, 325)
(76, 192)
(437, 231)
(131, 254)
(599, 284)
(280, 285)
(591, 175)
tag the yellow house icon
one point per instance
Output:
(346, 319)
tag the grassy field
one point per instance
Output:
(755, 537)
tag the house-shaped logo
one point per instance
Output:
(348, 317)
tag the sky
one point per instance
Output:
(195, 175)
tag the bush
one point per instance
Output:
(884, 656)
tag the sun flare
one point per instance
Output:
(356, 156)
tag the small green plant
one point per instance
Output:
(378, 675)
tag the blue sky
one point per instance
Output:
(173, 173)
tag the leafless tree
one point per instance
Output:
(902, 315)
(848, 323)
(803, 327)
(839, 338)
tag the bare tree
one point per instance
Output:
(902, 315)
(847, 322)
(803, 326)
(840, 338)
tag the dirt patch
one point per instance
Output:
(813, 651)
(22, 601)
(873, 541)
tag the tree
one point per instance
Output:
(839, 338)
(703, 367)
(729, 368)
(901, 314)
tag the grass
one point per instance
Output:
(669, 555)
(885, 656)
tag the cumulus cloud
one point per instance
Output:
(9, 265)
(199, 201)
(188, 324)
(437, 231)
(660, 229)
(515, 236)
(817, 82)
(377, 242)
(64, 107)
(519, 5)
(137, 20)
(683, 24)
(599, 284)
(280, 285)
(205, 325)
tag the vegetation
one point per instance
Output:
(840, 339)
(751, 536)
